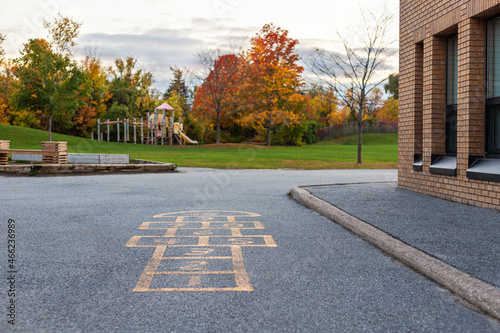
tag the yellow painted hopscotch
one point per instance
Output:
(199, 250)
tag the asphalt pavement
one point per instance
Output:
(205, 250)
(464, 236)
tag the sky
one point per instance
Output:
(165, 33)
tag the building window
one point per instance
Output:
(451, 95)
(418, 100)
(493, 88)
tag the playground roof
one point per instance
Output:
(165, 106)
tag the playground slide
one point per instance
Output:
(187, 139)
(183, 136)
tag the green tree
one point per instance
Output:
(2, 51)
(392, 86)
(130, 88)
(48, 83)
(178, 85)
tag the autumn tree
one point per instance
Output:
(131, 90)
(373, 103)
(274, 78)
(389, 111)
(63, 30)
(218, 97)
(322, 103)
(48, 84)
(5, 79)
(7, 91)
(95, 97)
(353, 73)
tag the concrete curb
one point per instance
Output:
(52, 169)
(475, 291)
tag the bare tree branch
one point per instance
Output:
(352, 74)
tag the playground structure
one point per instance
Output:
(160, 129)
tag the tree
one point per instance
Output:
(392, 86)
(48, 83)
(7, 90)
(130, 88)
(95, 97)
(274, 77)
(353, 74)
(178, 85)
(63, 31)
(373, 104)
(2, 51)
(6, 77)
(217, 97)
(322, 103)
(389, 111)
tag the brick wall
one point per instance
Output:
(424, 28)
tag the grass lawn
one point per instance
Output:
(379, 151)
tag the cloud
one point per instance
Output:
(159, 49)
(156, 50)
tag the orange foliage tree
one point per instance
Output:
(218, 97)
(7, 90)
(274, 80)
(95, 98)
(322, 105)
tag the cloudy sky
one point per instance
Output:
(164, 33)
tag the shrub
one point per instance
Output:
(193, 129)
(310, 135)
(290, 135)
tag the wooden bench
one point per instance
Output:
(52, 152)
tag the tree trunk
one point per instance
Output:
(217, 140)
(50, 128)
(269, 129)
(360, 140)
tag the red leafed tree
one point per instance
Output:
(275, 77)
(217, 97)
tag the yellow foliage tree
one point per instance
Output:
(4, 116)
(389, 111)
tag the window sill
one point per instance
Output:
(485, 169)
(444, 165)
(419, 162)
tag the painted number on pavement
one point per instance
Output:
(198, 250)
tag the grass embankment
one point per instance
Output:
(379, 151)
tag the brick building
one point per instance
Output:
(449, 116)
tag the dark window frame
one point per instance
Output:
(451, 132)
(492, 104)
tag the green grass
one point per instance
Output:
(379, 151)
